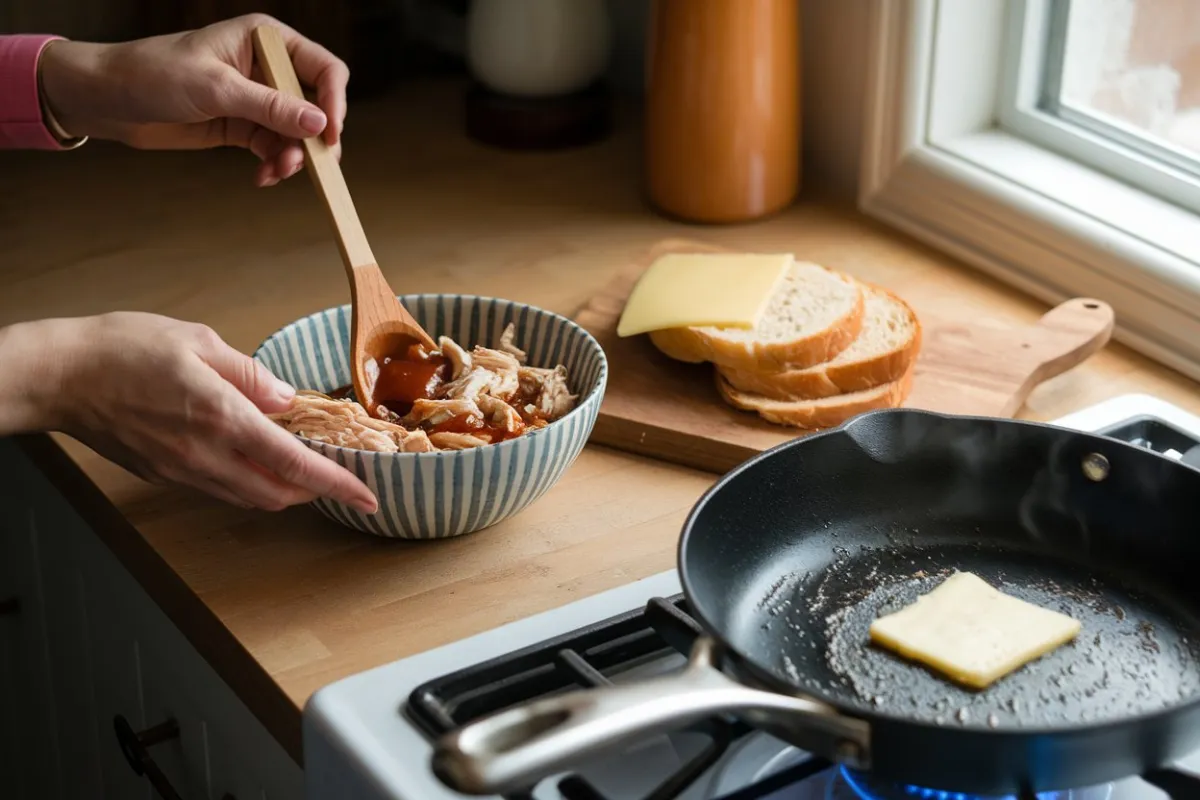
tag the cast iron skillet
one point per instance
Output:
(789, 557)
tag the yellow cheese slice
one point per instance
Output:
(681, 290)
(971, 632)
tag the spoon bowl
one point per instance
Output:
(381, 327)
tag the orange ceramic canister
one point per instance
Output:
(723, 108)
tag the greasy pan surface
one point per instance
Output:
(790, 557)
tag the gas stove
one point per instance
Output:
(368, 737)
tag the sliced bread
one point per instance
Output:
(815, 314)
(825, 412)
(884, 350)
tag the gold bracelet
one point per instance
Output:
(65, 139)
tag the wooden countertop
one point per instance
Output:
(282, 604)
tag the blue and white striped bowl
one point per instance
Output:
(449, 493)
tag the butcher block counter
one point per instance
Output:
(280, 604)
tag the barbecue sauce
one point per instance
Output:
(402, 382)
(461, 423)
(415, 375)
(472, 424)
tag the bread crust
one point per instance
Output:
(678, 344)
(696, 345)
(827, 380)
(807, 414)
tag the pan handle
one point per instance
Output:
(514, 749)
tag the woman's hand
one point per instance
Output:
(171, 402)
(197, 89)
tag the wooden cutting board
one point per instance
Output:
(668, 410)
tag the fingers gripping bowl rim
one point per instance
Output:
(451, 492)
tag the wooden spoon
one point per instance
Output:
(380, 326)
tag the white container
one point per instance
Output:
(538, 48)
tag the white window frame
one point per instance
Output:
(944, 161)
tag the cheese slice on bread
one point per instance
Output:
(729, 290)
(814, 314)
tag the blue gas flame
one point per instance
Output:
(862, 791)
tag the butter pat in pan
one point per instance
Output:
(971, 632)
(683, 290)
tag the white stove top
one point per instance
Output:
(359, 745)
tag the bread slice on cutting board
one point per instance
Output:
(815, 314)
(824, 412)
(884, 350)
(826, 348)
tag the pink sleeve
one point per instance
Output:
(21, 123)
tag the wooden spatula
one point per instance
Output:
(380, 326)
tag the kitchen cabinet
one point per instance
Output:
(81, 646)
(30, 759)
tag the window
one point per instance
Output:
(1052, 143)
(1129, 70)
(1114, 83)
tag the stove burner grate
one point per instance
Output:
(580, 659)
(585, 658)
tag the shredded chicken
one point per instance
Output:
(547, 392)
(435, 412)
(495, 360)
(459, 441)
(346, 424)
(500, 414)
(507, 346)
(488, 395)
(555, 398)
(478, 381)
(460, 360)
(504, 365)
(531, 380)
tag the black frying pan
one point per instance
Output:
(789, 557)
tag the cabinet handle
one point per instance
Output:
(135, 747)
(9, 605)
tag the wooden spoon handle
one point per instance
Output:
(326, 173)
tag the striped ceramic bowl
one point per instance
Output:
(449, 493)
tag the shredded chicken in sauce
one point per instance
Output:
(462, 399)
